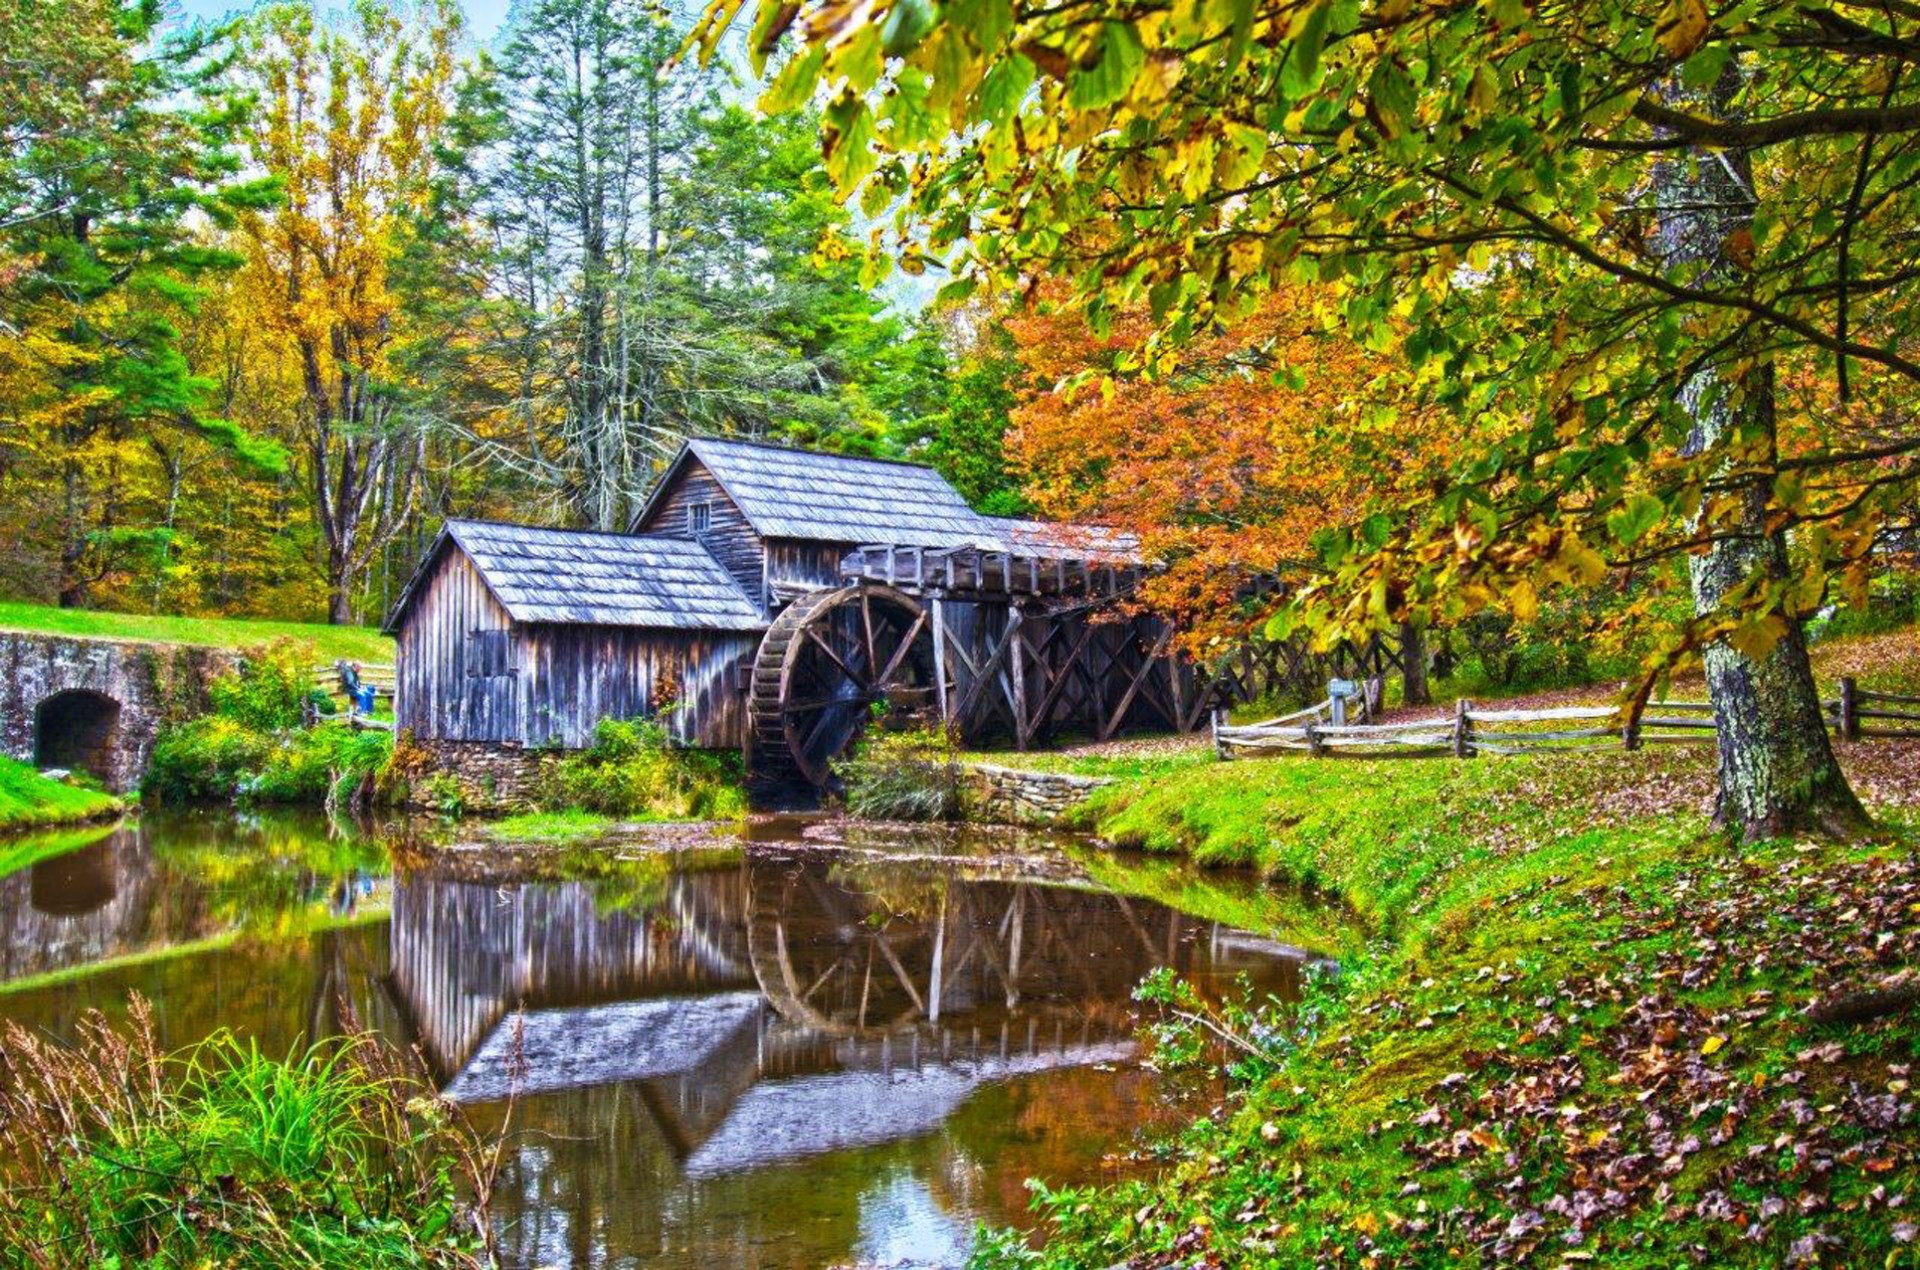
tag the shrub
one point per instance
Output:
(910, 775)
(217, 757)
(252, 747)
(272, 683)
(634, 769)
(114, 1154)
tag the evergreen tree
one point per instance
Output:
(115, 134)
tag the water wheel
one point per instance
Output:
(827, 660)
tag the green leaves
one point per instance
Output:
(1392, 96)
(1635, 518)
(1300, 73)
(908, 22)
(1004, 88)
(1118, 60)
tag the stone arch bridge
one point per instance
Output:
(95, 705)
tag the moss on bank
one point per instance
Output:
(1579, 1031)
(29, 800)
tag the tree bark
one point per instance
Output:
(1777, 771)
(1413, 666)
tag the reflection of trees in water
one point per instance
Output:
(172, 879)
(774, 1046)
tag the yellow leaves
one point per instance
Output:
(1755, 637)
(1240, 158)
(1193, 164)
(1523, 600)
(1244, 258)
(1713, 1045)
(1682, 25)
(1483, 93)
(1581, 562)
(1156, 81)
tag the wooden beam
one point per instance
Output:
(938, 606)
(1138, 679)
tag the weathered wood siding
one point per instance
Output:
(798, 563)
(439, 688)
(729, 537)
(574, 676)
(456, 682)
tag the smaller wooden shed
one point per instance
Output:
(511, 634)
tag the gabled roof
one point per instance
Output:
(577, 576)
(787, 493)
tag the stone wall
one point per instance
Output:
(97, 703)
(1012, 796)
(490, 777)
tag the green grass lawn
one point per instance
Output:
(1577, 1024)
(352, 643)
(29, 800)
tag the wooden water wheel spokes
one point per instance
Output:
(827, 661)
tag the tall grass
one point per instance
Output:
(912, 775)
(633, 769)
(115, 1154)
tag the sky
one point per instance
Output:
(484, 17)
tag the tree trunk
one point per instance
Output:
(1413, 666)
(1777, 771)
(340, 601)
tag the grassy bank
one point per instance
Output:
(29, 800)
(361, 643)
(1578, 1035)
(114, 1153)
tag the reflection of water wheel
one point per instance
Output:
(827, 659)
(825, 963)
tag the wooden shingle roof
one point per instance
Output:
(816, 497)
(579, 577)
(1101, 544)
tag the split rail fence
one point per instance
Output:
(1856, 714)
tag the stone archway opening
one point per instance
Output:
(78, 730)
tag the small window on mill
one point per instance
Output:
(699, 519)
(489, 653)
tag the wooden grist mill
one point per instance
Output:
(780, 601)
(1020, 644)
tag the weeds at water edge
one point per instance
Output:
(113, 1153)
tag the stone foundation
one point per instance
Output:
(491, 777)
(96, 704)
(1012, 796)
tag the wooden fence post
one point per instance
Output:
(1462, 729)
(1314, 746)
(1221, 749)
(1849, 710)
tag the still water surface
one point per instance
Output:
(805, 1046)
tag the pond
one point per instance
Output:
(804, 1045)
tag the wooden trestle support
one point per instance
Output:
(986, 644)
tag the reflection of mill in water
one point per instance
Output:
(782, 1008)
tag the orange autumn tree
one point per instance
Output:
(1228, 460)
